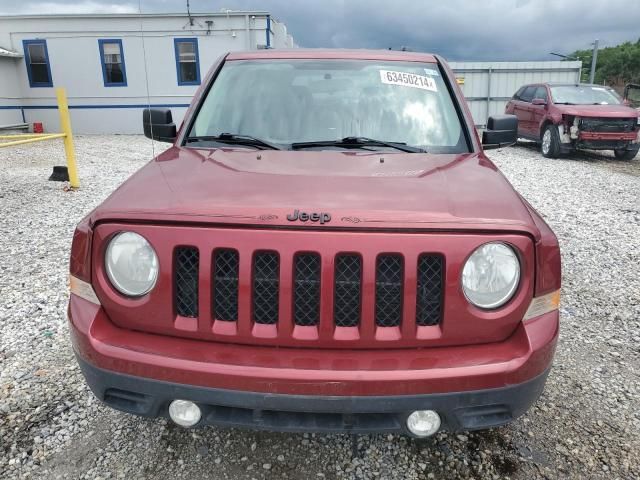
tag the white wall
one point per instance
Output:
(10, 94)
(72, 43)
(281, 39)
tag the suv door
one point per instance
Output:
(511, 104)
(522, 110)
(539, 112)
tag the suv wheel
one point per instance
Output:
(624, 154)
(550, 145)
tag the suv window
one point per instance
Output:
(299, 100)
(517, 95)
(528, 93)
(584, 95)
(541, 92)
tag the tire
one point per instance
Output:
(550, 142)
(624, 154)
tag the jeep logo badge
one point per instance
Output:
(309, 217)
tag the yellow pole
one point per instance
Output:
(27, 135)
(65, 125)
(31, 140)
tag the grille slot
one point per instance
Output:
(347, 290)
(266, 271)
(389, 291)
(186, 281)
(430, 290)
(306, 294)
(225, 285)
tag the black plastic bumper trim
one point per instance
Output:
(471, 410)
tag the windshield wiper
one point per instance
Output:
(564, 103)
(357, 142)
(235, 139)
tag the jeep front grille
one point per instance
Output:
(422, 286)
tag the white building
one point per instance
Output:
(100, 60)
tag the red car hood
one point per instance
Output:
(604, 111)
(358, 189)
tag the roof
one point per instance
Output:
(574, 84)
(334, 53)
(9, 53)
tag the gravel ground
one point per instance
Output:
(585, 425)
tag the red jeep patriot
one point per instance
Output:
(566, 117)
(325, 247)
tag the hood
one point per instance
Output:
(358, 189)
(603, 111)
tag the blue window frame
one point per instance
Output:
(187, 61)
(36, 59)
(114, 72)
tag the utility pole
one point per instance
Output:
(594, 59)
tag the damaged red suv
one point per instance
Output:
(566, 117)
(324, 247)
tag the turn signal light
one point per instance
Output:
(544, 304)
(83, 289)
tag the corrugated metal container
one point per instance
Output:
(488, 86)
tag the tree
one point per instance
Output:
(616, 66)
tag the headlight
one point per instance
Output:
(132, 264)
(490, 276)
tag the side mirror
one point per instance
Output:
(632, 95)
(502, 131)
(538, 101)
(158, 124)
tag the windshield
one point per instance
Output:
(294, 101)
(584, 95)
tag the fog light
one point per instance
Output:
(184, 413)
(423, 423)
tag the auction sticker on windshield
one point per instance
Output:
(405, 79)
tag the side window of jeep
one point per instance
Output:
(528, 94)
(517, 95)
(541, 93)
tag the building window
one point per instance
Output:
(187, 61)
(36, 58)
(114, 72)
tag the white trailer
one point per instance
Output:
(100, 59)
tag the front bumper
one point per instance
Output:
(295, 389)
(606, 140)
(472, 410)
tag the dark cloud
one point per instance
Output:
(457, 29)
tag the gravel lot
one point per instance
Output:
(586, 425)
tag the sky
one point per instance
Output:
(457, 29)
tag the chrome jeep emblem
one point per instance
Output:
(321, 217)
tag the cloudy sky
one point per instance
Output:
(457, 29)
